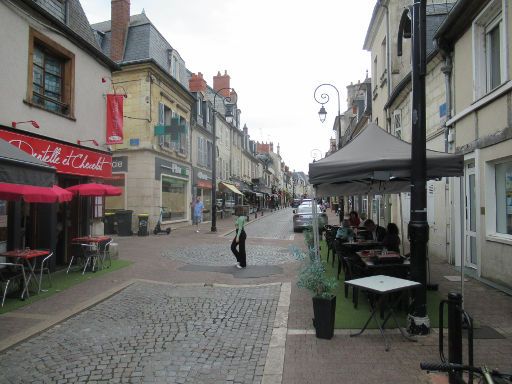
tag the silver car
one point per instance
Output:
(303, 217)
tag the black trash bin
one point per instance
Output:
(124, 222)
(143, 224)
(109, 220)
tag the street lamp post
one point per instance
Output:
(419, 322)
(323, 98)
(226, 100)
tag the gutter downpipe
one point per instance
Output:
(447, 69)
(383, 4)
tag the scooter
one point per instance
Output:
(158, 229)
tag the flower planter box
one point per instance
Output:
(324, 311)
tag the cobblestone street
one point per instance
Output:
(182, 313)
(154, 333)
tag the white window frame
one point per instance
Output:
(491, 16)
(397, 123)
(490, 204)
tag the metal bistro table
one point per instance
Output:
(91, 250)
(383, 286)
(28, 258)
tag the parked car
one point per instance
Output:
(303, 217)
(295, 203)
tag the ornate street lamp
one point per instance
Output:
(323, 98)
(229, 114)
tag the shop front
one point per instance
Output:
(202, 187)
(174, 190)
(52, 226)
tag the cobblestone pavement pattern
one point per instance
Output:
(155, 333)
(278, 227)
(220, 254)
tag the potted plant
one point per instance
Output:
(313, 277)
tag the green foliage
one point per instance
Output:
(313, 276)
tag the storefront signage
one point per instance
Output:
(170, 168)
(202, 179)
(65, 158)
(120, 164)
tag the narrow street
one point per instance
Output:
(182, 313)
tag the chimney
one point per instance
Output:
(271, 147)
(246, 130)
(120, 15)
(196, 83)
(220, 82)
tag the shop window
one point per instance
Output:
(98, 207)
(51, 75)
(490, 43)
(174, 197)
(503, 175)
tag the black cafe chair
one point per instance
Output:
(330, 239)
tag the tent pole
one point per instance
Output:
(401, 222)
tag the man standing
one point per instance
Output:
(198, 208)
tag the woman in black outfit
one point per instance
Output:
(392, 239)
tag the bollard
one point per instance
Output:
(455, 334)
(454, 304)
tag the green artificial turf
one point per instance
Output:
(60, 282)
(347, 317)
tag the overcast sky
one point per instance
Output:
(276, 52)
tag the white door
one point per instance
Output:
(470, 216)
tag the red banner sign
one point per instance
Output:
(65, 158)
(115, 119)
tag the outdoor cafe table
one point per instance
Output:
(390, 263)
(382, 286)
(91, 244)
(350, 248)
(28, 258)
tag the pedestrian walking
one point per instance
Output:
(239, 240)
(198, 208)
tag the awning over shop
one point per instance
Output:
(18, 167)
(229, 187)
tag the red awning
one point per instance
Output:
(94, 189)
(33, 194)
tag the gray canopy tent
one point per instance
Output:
(376, 162)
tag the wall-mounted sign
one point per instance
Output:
(170, 168)
(65, 158)
(115, 119)
(134, 142)
(120, 164)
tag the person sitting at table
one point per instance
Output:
(354, 219)
(345, 233)
(373, 232)
(392, 239)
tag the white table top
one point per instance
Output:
(382, 283)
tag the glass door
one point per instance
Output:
(470, 214)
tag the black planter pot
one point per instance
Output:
(324, 310)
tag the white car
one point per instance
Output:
(303, 217)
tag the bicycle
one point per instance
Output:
(489, 376)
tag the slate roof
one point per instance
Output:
(78, 22)
(436, 14)
(143, 40)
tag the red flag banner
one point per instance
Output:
(114, 119)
